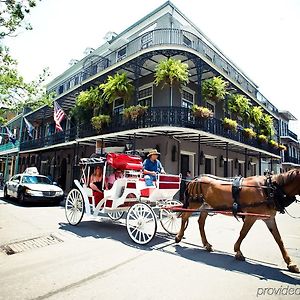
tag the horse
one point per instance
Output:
(259, 196)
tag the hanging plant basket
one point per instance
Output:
(282, 147)
(230, 124)
(249, 133)
(201, 112)
(134, 112)
(262, 139)
(273, 144)
(214, 89)
(99, 122)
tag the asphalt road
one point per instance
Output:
(97, 259)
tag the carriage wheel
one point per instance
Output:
(170, 220)
(74, 207)
(141, 223)
(115, 216)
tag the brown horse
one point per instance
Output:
(258, 195)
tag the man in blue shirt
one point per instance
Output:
(151, 167)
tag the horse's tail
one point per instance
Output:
(193, 192)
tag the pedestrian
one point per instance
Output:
(151, 167)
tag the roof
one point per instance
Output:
(287, 115)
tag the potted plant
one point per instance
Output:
(171, 72)
(100, 121)
(214, 89)
(266, 125)
(273, 144)
(230, 124)
(249, 133)
(240, 105)
(262, 138)
(282, 147)
(135, 111)
(256, 115)
(117, 86)
(201, 112)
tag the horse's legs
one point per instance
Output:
(201, 222)
(184, 218)
(248, 222)
(271, 223)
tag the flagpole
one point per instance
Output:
(20, 139)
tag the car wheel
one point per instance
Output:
(5, 195)
(21, 199)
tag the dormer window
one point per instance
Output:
(121, 54)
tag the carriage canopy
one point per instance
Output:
(124, 161)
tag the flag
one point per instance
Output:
(11, 137)
(29, 127)
(59, 114)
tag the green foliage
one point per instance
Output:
(240, 105)
(134, 111)
(171, 71)
(201, 112)
(230, 124)
(249, 133)
(256, 115)
(266, 125)
(262, 138)
(13, 14)
(117, 86)
(214, 89)
(273, 143)
(100, 121)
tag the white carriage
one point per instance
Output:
(143, 204)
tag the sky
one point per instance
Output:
(262, 37)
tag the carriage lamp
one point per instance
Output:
(221, 161)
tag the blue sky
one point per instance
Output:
(260, 36)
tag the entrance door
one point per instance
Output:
(208, 163)
(185, 162)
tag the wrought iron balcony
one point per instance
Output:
(154, 116)
(159, 37)
(10, 146)
(290, 159)
(293, 135)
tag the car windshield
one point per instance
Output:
(36, 179)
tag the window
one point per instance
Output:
(145, 96)
(187, 99)
(118, 106)
(60, 89)
(121, 54)
(76, 80)
(146, 40)
(186, 41)
(210, 106)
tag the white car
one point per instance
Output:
(33, 188)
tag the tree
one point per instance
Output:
(13, 15)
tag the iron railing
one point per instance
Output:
(291, 159)
(154, 116)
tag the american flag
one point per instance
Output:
(59, 114)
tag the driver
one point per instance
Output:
(151, 167)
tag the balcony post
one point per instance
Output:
(259, 163)
(271, 160)
(198, 153)
(246, 163)
(199, 66)
(137, 74)
(226, 169)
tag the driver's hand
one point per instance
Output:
(153, 173)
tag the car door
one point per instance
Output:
(9, 186)
(14, 185)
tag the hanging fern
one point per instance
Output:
(117, 86)
(256, 115)
(214, 89)
(171, 71)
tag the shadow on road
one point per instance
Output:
(227, 261)
(114, 230)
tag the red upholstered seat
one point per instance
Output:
(147, 191)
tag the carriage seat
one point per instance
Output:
(116, 190)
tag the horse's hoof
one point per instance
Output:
(209, 248)
(293, 268)
(177, 239)
(240, 257)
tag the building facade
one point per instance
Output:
(185, 142)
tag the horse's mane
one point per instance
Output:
(285, 178)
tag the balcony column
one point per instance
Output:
(198, 153)
(134, 143)
(246, 163)
(199, 66)
(226, 169)
(271, 161)
(259, 163)
(137, 74)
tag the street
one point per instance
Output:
(98, 260)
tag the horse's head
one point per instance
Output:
(289, 182)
